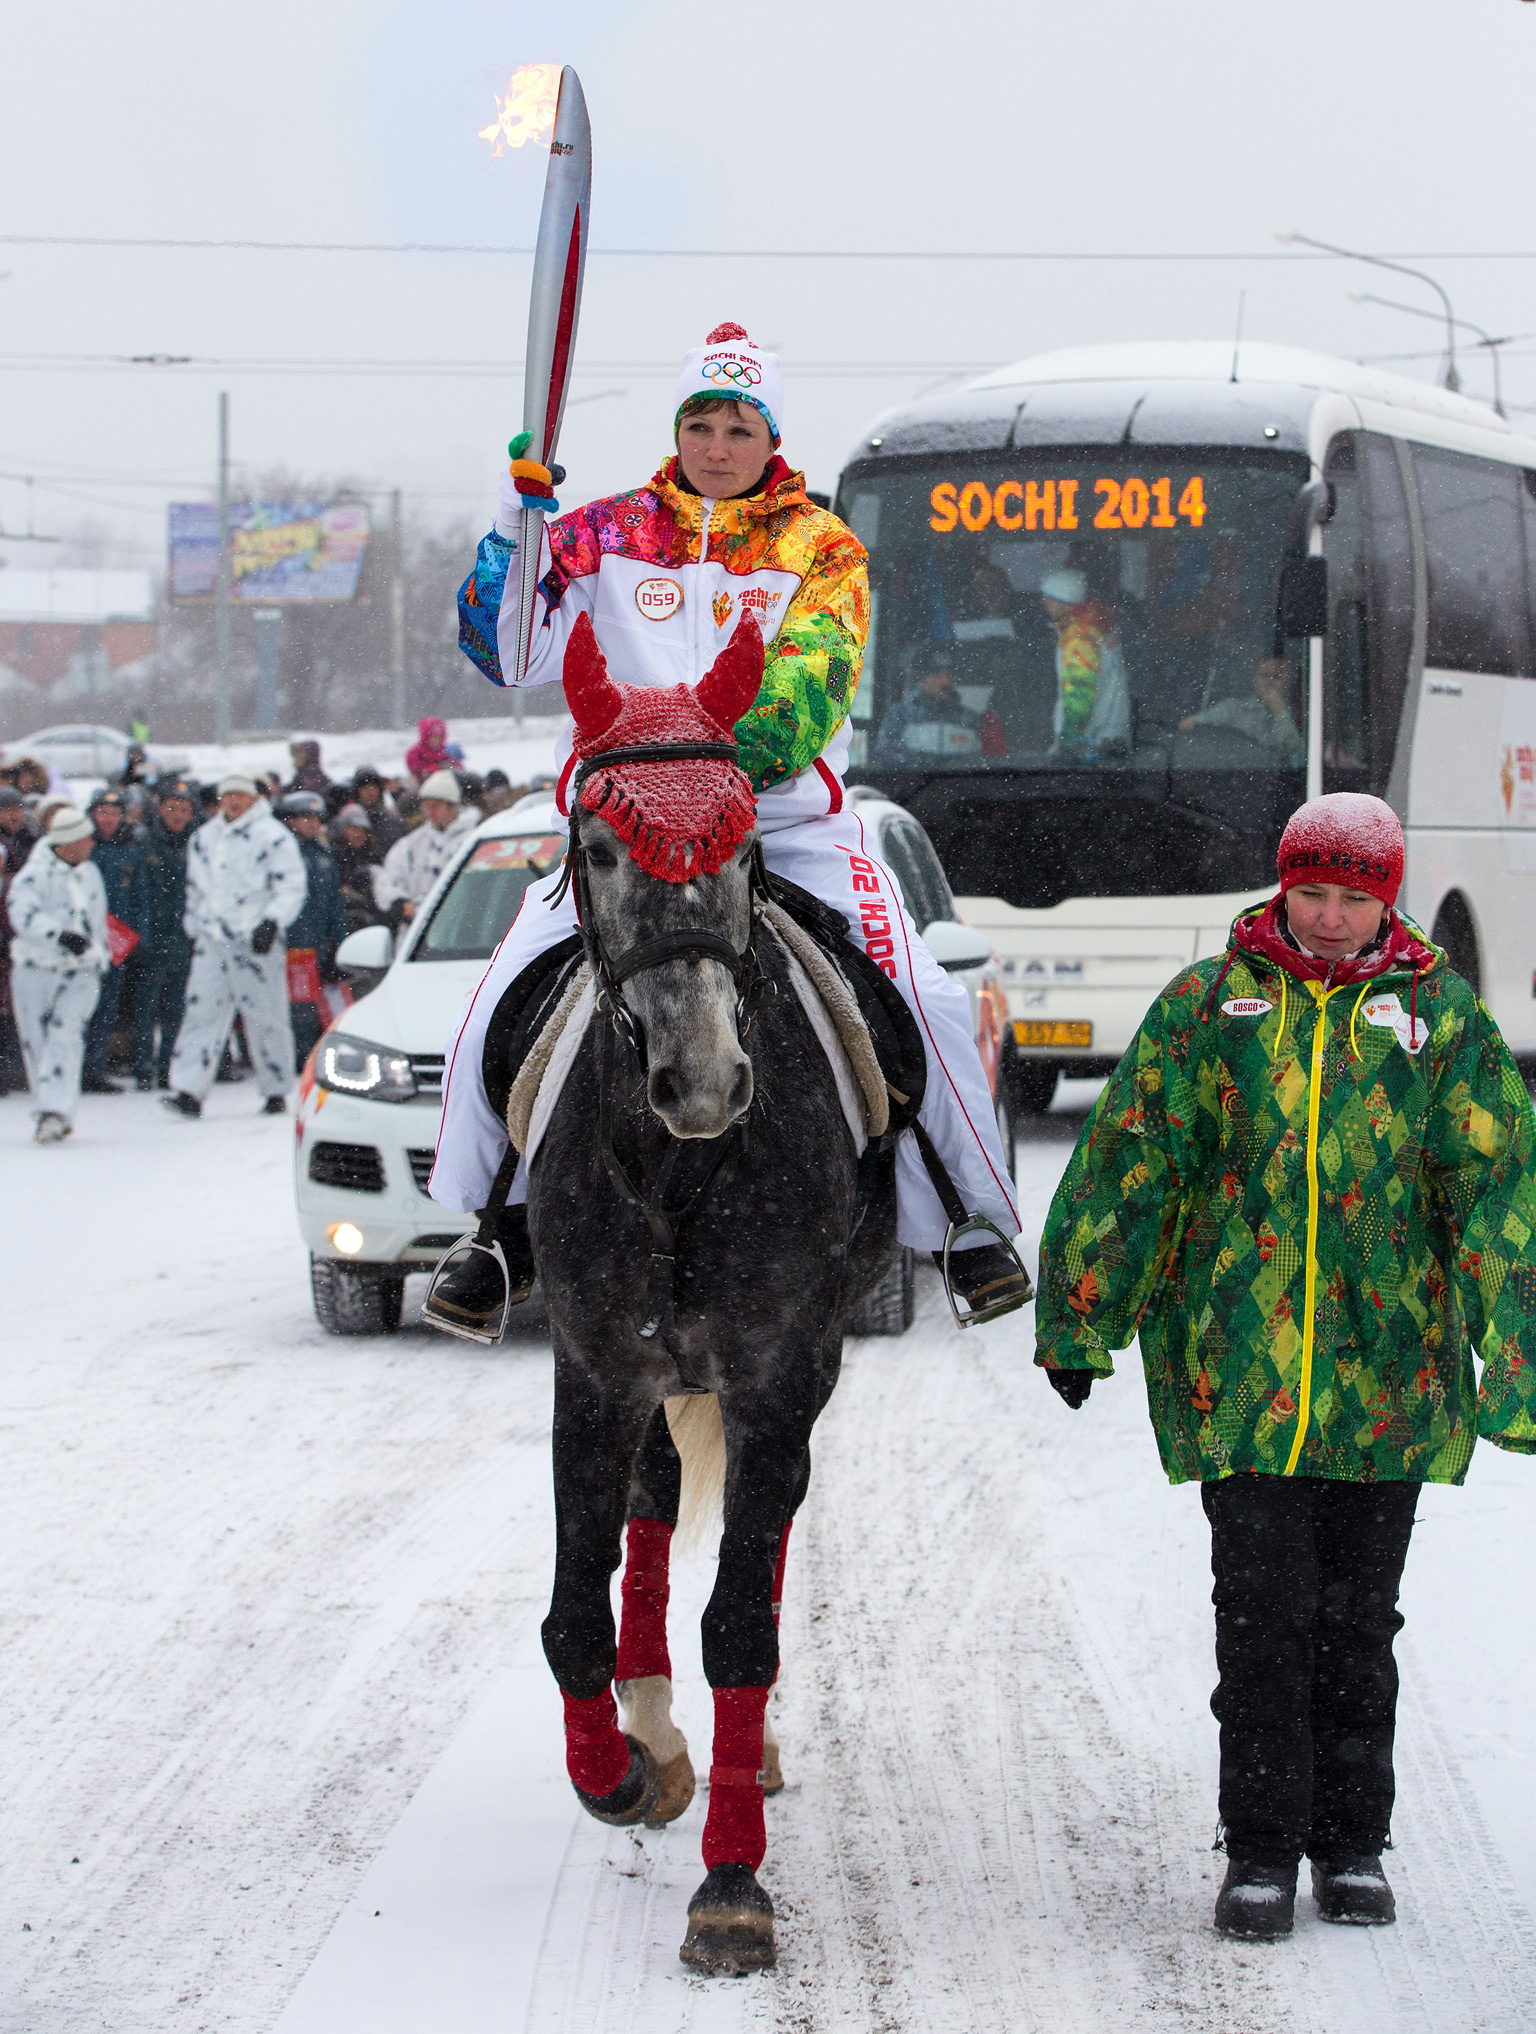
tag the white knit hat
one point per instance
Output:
(236, 782)
(1065, 585)
(441, 784)
(728, 364)
(68, 824)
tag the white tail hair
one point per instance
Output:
(699, 1438)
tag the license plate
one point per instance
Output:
(1052, 1031)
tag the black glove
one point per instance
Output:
(264, 935)
(1072, 1386)
(74, 942)
(395, 917)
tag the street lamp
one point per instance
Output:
(1483, 339)
(1450, 379)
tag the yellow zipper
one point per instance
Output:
(1314, 1109)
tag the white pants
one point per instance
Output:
(226, 978)
(829, 857)
(53, 1008)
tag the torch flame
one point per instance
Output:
(528, 111)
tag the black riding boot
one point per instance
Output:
(988, 1278)
(472, 1290)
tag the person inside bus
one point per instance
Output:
(1262, 716)
(1093, 707)
(930, 718)
(1192, 596)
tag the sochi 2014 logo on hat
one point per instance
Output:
(729, 370)
(658, 598)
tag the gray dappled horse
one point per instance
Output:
(700, 1087)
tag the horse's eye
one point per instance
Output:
(602, 858)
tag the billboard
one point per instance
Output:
(279, 550)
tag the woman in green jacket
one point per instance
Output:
(1308, 1188)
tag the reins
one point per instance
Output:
(609, 974)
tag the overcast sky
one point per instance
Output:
(1104, 125)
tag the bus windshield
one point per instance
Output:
(1070, 613)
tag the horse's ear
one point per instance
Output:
(590, 693)
(735, 678)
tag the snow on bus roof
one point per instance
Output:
(1211, 360)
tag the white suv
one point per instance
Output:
(370, 1101)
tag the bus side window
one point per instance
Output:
(1474, 543)
(1370, 624)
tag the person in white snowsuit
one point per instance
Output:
(407, 873)
(59, 955)
(245, 886)
(665, 573)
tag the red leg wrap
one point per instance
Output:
(596, 1756)
(733, 1829)
(643, 1620)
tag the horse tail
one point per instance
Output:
(699, 1438)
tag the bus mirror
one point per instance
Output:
(1304, 597)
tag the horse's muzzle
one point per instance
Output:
(701, 1108)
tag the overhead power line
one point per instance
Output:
(75, 363)
(734, 253)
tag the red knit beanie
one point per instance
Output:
(1348, 838)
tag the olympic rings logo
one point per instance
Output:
(738, 373)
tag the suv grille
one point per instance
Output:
(428, 1069)
(358, 1167)
(421, 1167)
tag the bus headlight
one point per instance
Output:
(355, 1066)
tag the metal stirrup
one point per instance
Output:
(962, 1223)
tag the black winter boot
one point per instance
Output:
(1353, 1890)
(184, 1105)
(1257, 1902)
(988, 1279)
(472, 1291)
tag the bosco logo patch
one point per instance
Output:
(657, 598)
(1247, 1006)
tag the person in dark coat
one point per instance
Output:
(307, 773)
(371, 792)
(320, 927)
(16, 841)
(116, 854)
(163, 957)
(356, 858)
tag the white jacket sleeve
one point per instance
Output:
(552, 626)
(392, 878)
(287, 884)
(197, 920)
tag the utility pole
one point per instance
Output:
(222, 715)
(397, 617)
(1450, 378)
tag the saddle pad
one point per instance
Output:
(550, 1058)
(840, 1005)
(849, 1093)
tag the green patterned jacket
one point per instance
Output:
(1311, 1229)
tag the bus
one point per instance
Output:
(1131, 604)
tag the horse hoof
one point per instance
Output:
(674, 1793)
(634, 1798)
(730, 1924)
(773, 1772)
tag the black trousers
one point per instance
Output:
(1307, 1574)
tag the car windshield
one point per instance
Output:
(1077, 612)
(474, 912)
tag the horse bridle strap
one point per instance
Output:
(656, 752)
(681, 945)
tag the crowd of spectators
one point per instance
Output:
(370, 845)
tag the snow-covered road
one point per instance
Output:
(278, 1749)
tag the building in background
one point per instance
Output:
(71, 638)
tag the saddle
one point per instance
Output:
(866, 1009)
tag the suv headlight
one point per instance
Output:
(355, 1066)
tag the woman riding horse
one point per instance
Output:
(725, 529)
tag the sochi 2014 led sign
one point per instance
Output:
(1131, 504)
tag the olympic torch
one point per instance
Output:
(554, 305)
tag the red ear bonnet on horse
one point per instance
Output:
(678, 820)
(735, 678)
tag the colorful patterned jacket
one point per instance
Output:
(666, 576)
(1311, 1227)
